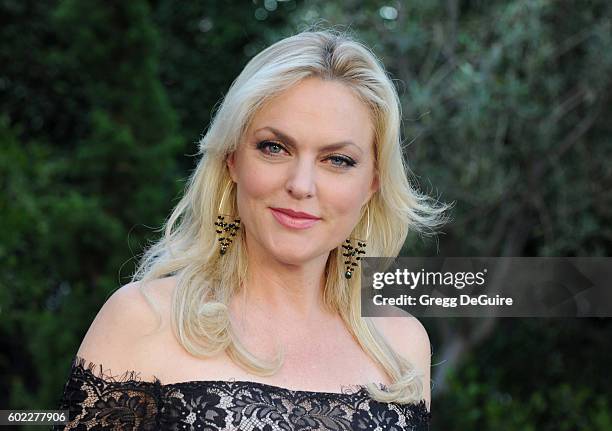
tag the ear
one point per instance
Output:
(231, 165)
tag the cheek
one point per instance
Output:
(345, 197)
(255, 187)
(343, 204)
(256, 184)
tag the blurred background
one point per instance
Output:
(506, 108)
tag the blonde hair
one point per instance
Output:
(188, 247)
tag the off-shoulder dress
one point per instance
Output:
(97, 400)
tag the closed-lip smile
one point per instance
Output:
(296, 214)
(294, 219)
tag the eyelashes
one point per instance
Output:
(348, 162)
(265, 146)
(341, 161)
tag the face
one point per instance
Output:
(309, 151)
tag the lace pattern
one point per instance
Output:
(97, 400)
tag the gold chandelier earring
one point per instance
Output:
(226, 231)
(353, 253)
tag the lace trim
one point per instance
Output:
(133, 377)
(99, 400)
(106, 376)
(98, 372)
(345, 389)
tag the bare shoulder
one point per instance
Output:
(125, 324)
(407, 335)
(409, 338)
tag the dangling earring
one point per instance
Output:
(355, 252)
(223, 227)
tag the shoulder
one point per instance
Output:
(409, 338)
(125, 324)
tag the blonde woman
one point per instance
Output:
(246, 313)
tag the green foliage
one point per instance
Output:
(506, 107)
(566, 393)
(556, 407)
(204, 46)
(71, 198)
(92, 153)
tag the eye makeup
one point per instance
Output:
(340, 161)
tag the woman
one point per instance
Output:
(246, 314)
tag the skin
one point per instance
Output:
(281, 301)
(287, 265)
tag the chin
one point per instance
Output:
(293, 255)
(292, 258)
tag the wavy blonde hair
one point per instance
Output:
(188, 247)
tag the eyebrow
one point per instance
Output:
(292, 142)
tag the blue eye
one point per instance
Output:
(272, 148)
(347, 162)
(273, 145)
(270, 145)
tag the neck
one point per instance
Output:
(278, 292)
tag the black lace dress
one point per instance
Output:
(101, 402)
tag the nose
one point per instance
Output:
(301, 180)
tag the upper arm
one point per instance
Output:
(409, 338)
(116, 346)
(120, 329)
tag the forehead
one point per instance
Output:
(318, 110)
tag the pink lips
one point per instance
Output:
(292, 219)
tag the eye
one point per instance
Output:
(272, 146)
(342, 161)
